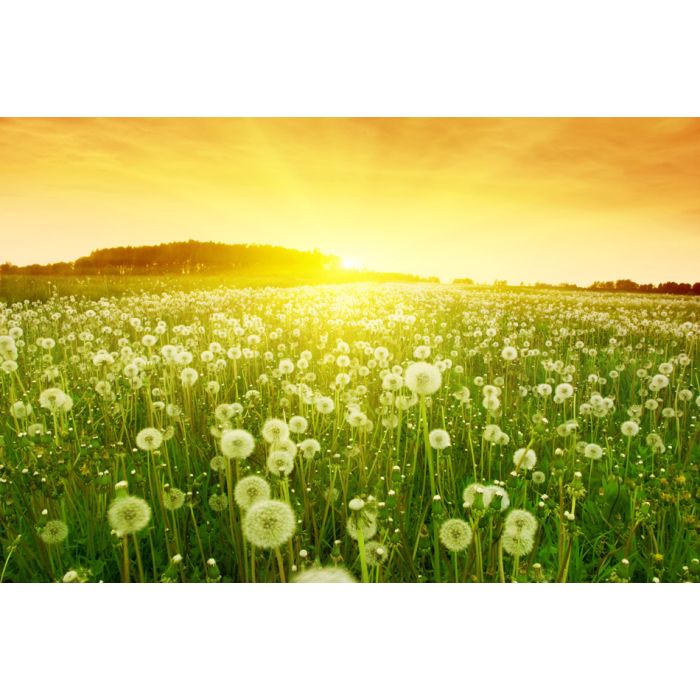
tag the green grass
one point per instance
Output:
(629, 516)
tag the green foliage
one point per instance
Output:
(96, 370)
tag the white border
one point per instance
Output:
(410, 640)
(359, 58)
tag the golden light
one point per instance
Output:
(350, 263)
(548, 200)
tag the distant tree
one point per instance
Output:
(626, 286)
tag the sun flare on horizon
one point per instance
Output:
(350, 264)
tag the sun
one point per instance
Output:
(350, 263)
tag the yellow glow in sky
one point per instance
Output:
(515, 199)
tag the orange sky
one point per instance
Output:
(514, 199)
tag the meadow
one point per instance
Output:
(369, 433)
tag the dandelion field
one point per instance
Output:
(373, 433)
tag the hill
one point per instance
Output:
(208, 258)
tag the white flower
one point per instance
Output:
(629, 428)
(149, 439)
(439, 439)
(275, 430)
(237, 444)
(423, 378)
(527, 459)
(592, 451)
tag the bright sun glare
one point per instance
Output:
(351, 263)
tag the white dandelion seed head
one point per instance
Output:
(422, 378)
(439, 439)
(520, 521)
(269, 524)
(173, 499)
(149, 439)
(298, 425)
(250, 490)
(525, 459)
(275, 430)
(54, 532)
(128, 514)
(325, 574)
(280, 463)
(237, 443)
(509, 353)
(455, 534)
(629, 428)
(592, 451)
(218, 502)
(517, 542)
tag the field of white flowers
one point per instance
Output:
(350, 433)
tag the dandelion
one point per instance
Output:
(517, 543)
(564, 391)
(469, 495)
(629, 428)
(423, 378)
(492, 433)
(298, 425)
(218, 502)
(250, 490)
(189, 376)
(53, 399)
(520, 521)
(325, 405)
(326, 574)
(509, 353)
(455, 534)
(280, 463)
(54, 532)
(268, 524)
(309, 448)
(592, 451)
(658, 382)
(375, 552)
(286, 366)
(149, 439)
(362, 519)
(439, 439)
(286, 446)
(275, 430)
(525, 458)
(21, 410)
(217, 463)
(173, 499)
(493, 494)
(128, 514)
(237, 444)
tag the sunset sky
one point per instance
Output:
(516, 199)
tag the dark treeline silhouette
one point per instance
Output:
(683, 288)
(626, 285)
(196, 257)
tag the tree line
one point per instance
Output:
(196, 257)
(626, 285)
